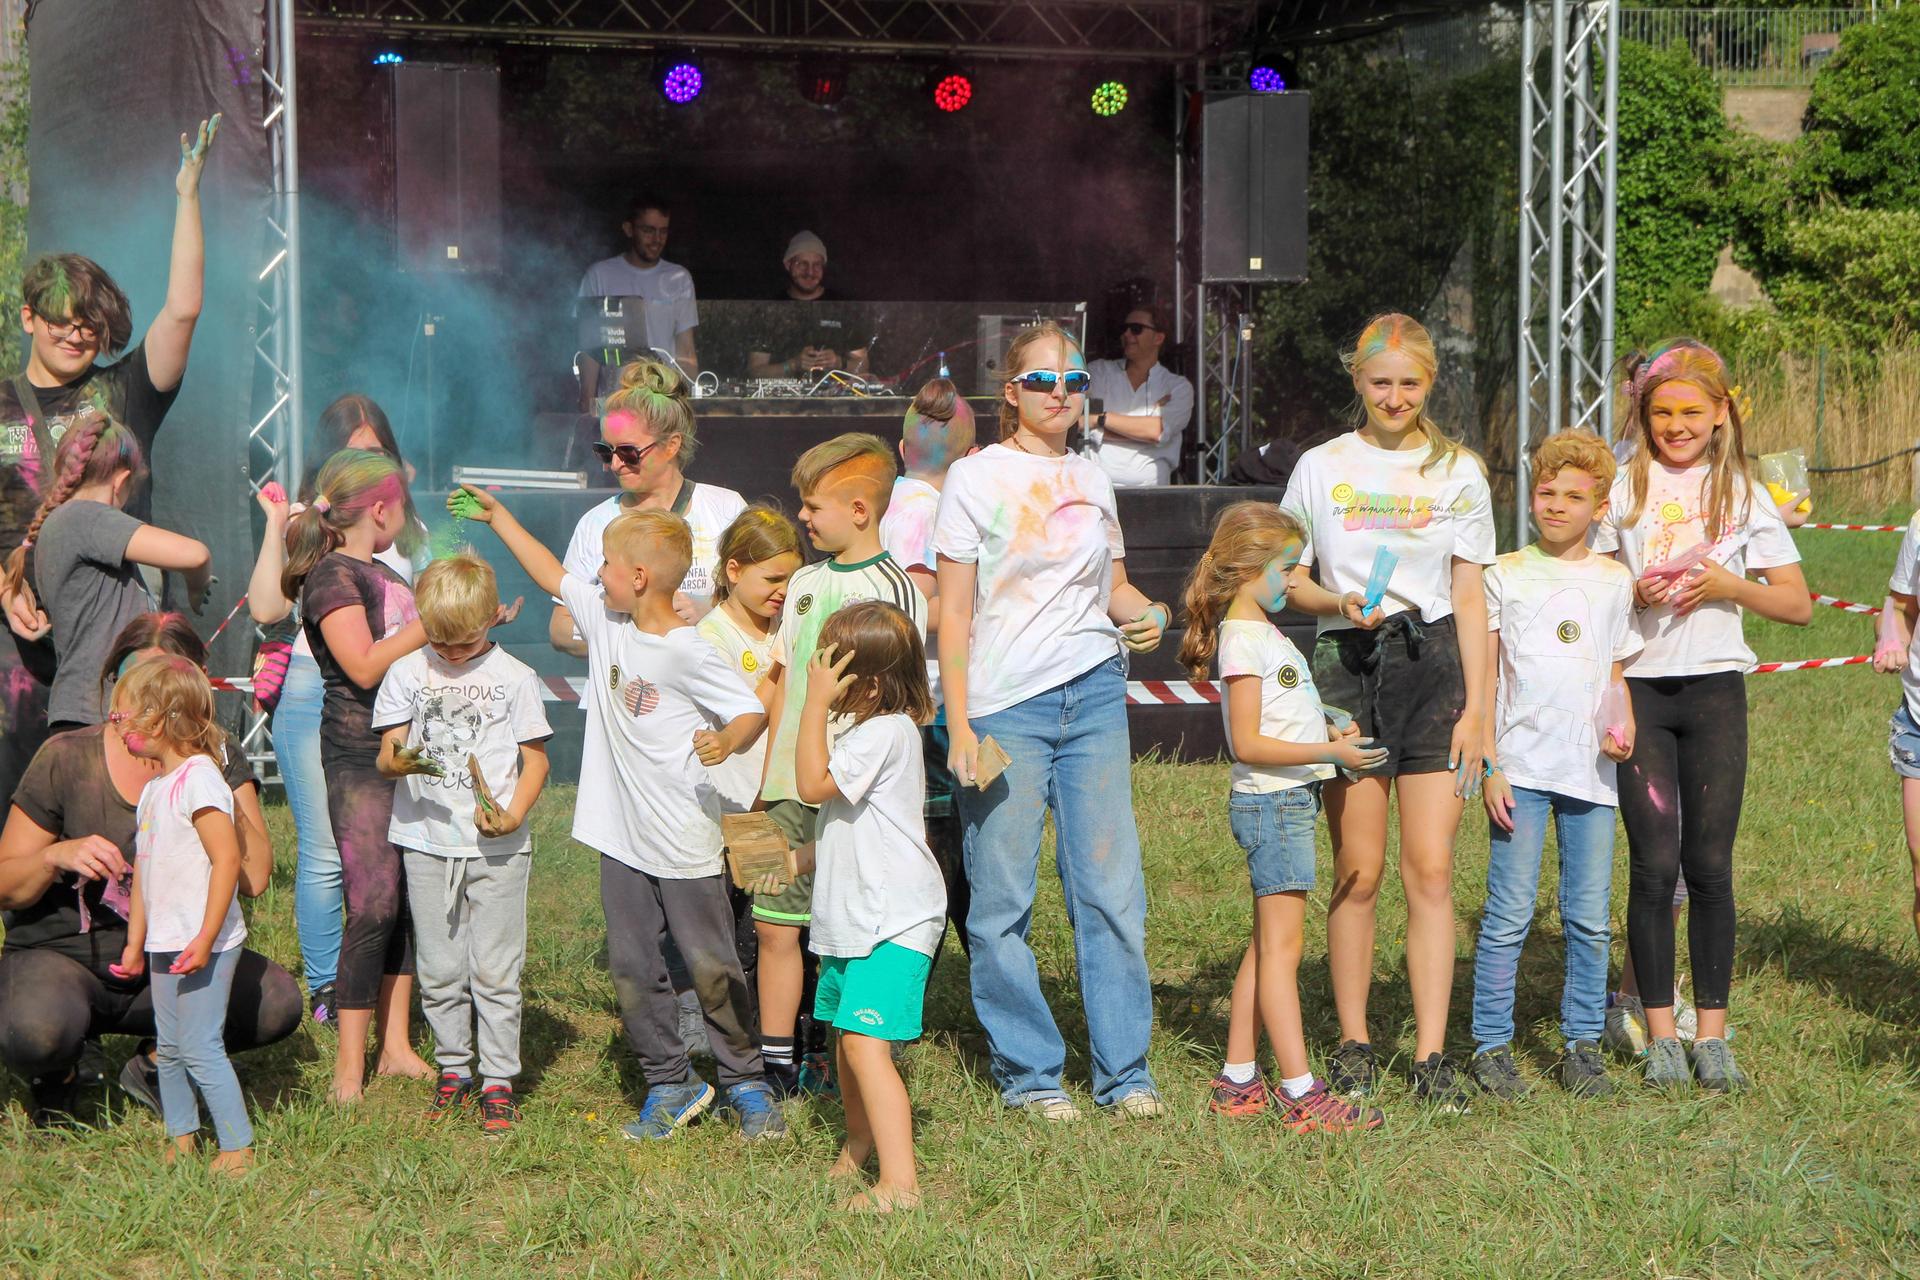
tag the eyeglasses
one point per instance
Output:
(58, 329)
(629, 454)
(1044, 381)
(1135, 329)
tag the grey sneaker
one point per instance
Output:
(140, 1080)
(1495, 1071)
(1666, 1065)
(1583, 1072)
(1626, 1027)
(1715, 1069)
(1054, 1109)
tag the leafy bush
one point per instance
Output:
(1672, 215)
(1862, 137)
(13, 202)
(1851, 274)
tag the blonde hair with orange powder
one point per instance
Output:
(1392, 331)
(1699, 366)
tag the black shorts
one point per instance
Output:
(1403, 685)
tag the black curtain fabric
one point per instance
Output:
(114, 84)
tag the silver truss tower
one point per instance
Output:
(1568, 154)
(1569, 148)
(274, 439)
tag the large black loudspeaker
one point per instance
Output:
(446, 167)
(1253, 180)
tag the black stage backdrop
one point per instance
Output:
(114, 84)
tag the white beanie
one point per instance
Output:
(804, 242)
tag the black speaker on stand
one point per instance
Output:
(1253, 175)
(1253, 230)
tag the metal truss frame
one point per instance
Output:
(1569, 150)
(274, 438)
(1146, 30)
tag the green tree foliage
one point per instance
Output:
(1672, 215)
(13, 202)
(1862, 135)
(1412, 180)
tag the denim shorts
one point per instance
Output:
(1276, 829)
(1903, 742)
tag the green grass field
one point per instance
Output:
(1815, 1172)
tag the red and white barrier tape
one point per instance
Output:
(1140, 693)
(1858, 528)
(1846, 606)
(1811, 664)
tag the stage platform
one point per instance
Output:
(751, 449)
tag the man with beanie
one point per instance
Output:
(819, 338)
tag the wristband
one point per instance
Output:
(1101, 422)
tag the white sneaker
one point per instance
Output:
(1053, 1110)
(1626, 1027)
(1141, 1104)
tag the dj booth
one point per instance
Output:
(750, 434)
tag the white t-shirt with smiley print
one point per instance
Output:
(1354, 498)
(1672, 522)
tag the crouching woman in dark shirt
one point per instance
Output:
(66, 856)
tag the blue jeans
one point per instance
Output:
(189, 1023)
(318, 898)
(1584, 831)
(1070, 754)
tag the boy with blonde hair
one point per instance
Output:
(1561, 621)
(844, 486)
(666, 705)
(462, 728)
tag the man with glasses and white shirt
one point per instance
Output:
(1138, 408)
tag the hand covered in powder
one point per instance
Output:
(193, 156)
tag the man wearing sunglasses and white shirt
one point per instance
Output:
(1142, 406)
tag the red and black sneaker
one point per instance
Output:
(453, 1092)
(497, 1110)
(1320, 1110)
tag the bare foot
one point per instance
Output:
(177, 1147)
(848, 1167)
(883, 1199)
(404, 1063)
(233, 1163)
(347, 1088)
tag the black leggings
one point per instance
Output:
(1680, 797)
(50, 1004)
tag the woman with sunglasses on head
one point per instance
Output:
(65, 858)
(1140, 408)
(319, 898)
(1035, 611)
(647, 440)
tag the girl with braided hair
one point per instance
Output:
(84, 554)
(360, 619)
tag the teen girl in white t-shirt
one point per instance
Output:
(1689, 520)
(1035, 608)
(1413, 679)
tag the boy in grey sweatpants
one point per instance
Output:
(462, 727)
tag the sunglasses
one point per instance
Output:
(1135, 329)
(1075, 381)
(629, 454)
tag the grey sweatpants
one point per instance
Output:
(642, 912)
(470, 941)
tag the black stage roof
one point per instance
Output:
(1141, 30)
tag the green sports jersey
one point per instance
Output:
(815, 594)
